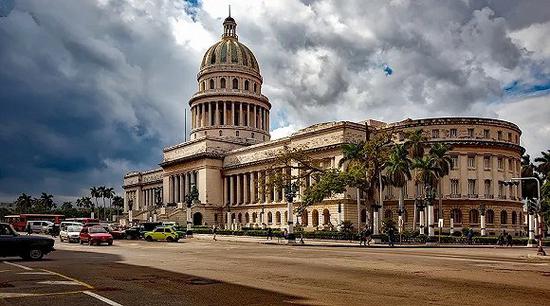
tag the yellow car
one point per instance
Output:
(163, 233)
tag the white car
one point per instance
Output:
(40, 226)
(70, 233)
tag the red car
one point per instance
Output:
(95, 235)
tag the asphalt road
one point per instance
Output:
(204, 272)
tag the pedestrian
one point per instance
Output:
(214, 232)
(470, 236)
(28, 228)
(500, 240)
(391, 236)
(509, 240)
(269, 234)
(363, 237)
(368, 235)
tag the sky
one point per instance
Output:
(90, 90)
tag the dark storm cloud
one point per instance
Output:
(87, 94)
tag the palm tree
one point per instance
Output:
(544, 164)
(439, 152)
(352, 153)
(415, 143)
(94, 192)
(427, 173)
(46, 201)
(398, 171)
(23, 204)
(109, 193)
(118, 203)
(101, 193)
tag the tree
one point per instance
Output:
(94, 192)
(118, 203)
(528, 169)
(398, 171)
(46, 202)
(543, 166)
(415, 143)
(440, 154)
(109, 193)
(23, 204)
(101, 193)
(67, 205)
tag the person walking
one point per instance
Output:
(470, 236)
(509, 240)
(368, 234)
(28, 228)
(269, 234)
(500, 240)
(391, 236)
(363, 237)
(214, 232)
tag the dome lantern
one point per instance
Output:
(230, 26)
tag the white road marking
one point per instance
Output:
(35, 273)
(19, 266)
(60, 283)
(4, 271)
(102, 298)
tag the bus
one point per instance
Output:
(19, 222)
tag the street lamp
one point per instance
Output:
(531, 213)
(291, 190)
(190, 199)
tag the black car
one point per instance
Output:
(28, 247)
(137, 232)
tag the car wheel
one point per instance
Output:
(149, 238)
(110, 243)
(81, 242)
(34, 254)
(169, 239)
(90, 242)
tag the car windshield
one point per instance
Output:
(74, 228)
(95, 230)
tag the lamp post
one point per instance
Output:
(531, 212)
(429, 202)
(291, 190)
(420, 207)
(191, 198)
(482, 210)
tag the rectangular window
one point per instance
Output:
(486, 134)
(471, 162)
(453, 133)
(487, 162)
(435, 133)
(510, 165)
(509, 137)
(472, 187)
(454, 187)
(500, 163)
(488, 191)
(499, 135)
(471, 133)
(501, 190)
(454, 162)
(517, 139)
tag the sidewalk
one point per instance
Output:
(334, 243)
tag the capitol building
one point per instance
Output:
(230, 150)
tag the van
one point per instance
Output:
(39, 226)
(64, 224)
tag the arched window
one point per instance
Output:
(277, 218)
(254, 217)
(456, 214)
(514, 217)
(246, 218)
(221, 132)
(474, 216)
(235, 84)
(269, 218)
(240, 218)
(503, 217)
(388, 214)
(255, 89)
(211, 84)
(315, 218)
(246, 85)
(304, 218)
(202, 86)
(490, 216)
(222, 83)
(364, 216)
(326, 217)
(233, 218)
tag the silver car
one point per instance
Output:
(70, 233)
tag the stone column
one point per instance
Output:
(170, 189)
(452, 226)
(182, 187)
(238, 189)
(530, 243)
(231, 187)
(254, 111)
(233, 107)
(375, 222)
(203, 114)
(253, 185)
(276, 190)
(482, 225)
(422, 222)
(249, 123)
(241, 120)
(246, 188)
(216, 114)
(431, 231)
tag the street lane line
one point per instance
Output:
(60, 283)
(16, 265)
(70, 278)
(102, 298)
(34, 273)
(7, 295)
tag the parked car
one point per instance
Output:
(39, 226)
(64, 224)
(70, 233)
(117, 232)
(162, 233)
(95, 235)
(28, 247)
(180, 230)
(138, 231)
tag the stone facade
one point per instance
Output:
(230, 150)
